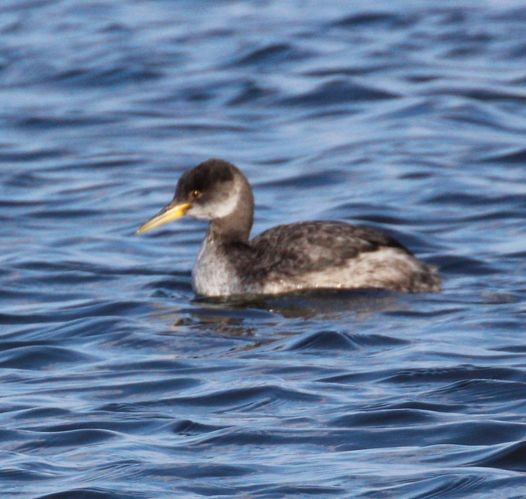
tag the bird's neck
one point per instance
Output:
(230, 229)
(236, 226)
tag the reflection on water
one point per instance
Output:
(244, 316)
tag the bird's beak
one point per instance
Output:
(170, 212)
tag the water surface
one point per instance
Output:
(117, 382)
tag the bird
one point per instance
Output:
(289, 258)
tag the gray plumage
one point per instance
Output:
(287, 258)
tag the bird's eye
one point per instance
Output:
(195, 194)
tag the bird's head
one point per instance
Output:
(212, 190)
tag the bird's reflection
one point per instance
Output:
(251, 317)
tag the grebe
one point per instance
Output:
(287, 258)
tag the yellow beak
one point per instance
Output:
(167, 214)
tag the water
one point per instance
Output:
(117, 382)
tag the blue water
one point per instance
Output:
(116, 382)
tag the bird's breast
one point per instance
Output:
(213, 274)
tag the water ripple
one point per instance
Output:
(117, 382)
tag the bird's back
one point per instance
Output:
(323, 254)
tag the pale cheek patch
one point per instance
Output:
(218, 209)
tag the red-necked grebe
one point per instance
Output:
(286, 258)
